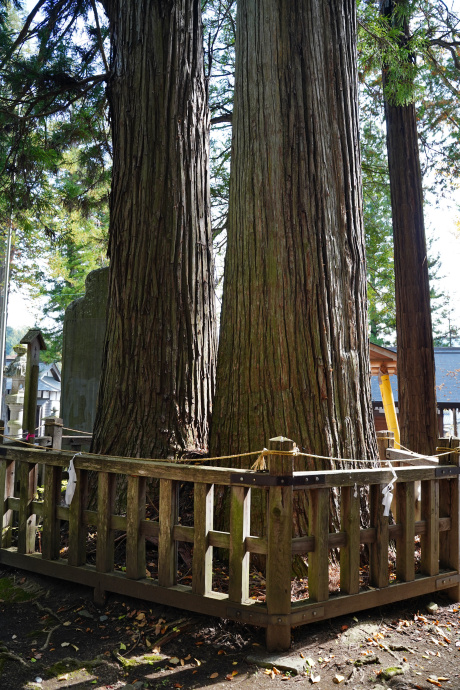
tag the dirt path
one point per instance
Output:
(53, 636)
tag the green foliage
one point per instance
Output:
(13, 338)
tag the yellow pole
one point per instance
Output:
(389, 406)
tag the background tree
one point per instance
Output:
(159, 361)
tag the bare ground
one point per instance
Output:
(53, 636)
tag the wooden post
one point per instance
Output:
(77, 530)
(279, 538)
(240, 528)
(405, 501)
(378, 567)
(318, 560)
(53, 428)
(27, 520)
(349, 554)
(449, 505)
(385, 439)
(51, 523)
(429, 541)
(34, 341)
(105, 534)
(202, 551)
(7, 471)
(135, 542)
(167, 546)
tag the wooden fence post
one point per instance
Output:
(449, 506)
(385, 439)
(53, 428)
(279, 538)
(7, 473)
(27, 519)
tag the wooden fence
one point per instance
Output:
(438, 529)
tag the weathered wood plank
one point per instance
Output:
(167, 546)
(202, 550)
(279, 556)
(51, 523)
(135, 541)
(240, 528)
(405, 510)
(6, 490)
(318, 560)
(449, 505)
(106, 490)
(27, 519)
(349, 552)
(429, 541)
(77, 528)
(378, 567)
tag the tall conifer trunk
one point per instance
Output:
(159, 363)
(416, 369)
(294, 351)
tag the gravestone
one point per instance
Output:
(84, 332)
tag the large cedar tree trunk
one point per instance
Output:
(416, 369)
(294, 351)
(159, 364)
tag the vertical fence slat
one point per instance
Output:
(106, 489)
(27, 521)
(167, 546)
(240, 515)
(202, 551)
(51, 524)
(349, 554)
(405, 510)
(318, 560)
(429, 542)
(449, 506)
(378, 567)
(77, 531)
(6, 490)
(279, 539)
(135, 542)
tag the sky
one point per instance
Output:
(441, 225)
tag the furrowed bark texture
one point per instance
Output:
(159, 366)
(416, 369)
(293, 351)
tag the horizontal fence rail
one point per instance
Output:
(93, 507)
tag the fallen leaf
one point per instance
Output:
(174, 660)
(140, 617)
(338, 679)
(122, 646)
(65, 644)
(182, 662)
(214, 675)
(67, 623)
(344, 627)
(186, 658)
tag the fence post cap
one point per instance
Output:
(53, 420)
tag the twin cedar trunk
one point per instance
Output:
(294, 352)
(159, 361)
(416, 369)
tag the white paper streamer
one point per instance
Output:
(71, 482)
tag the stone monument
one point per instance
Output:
(84, 334)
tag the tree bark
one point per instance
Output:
(159, 363)
(294, 351)
(416, 368)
